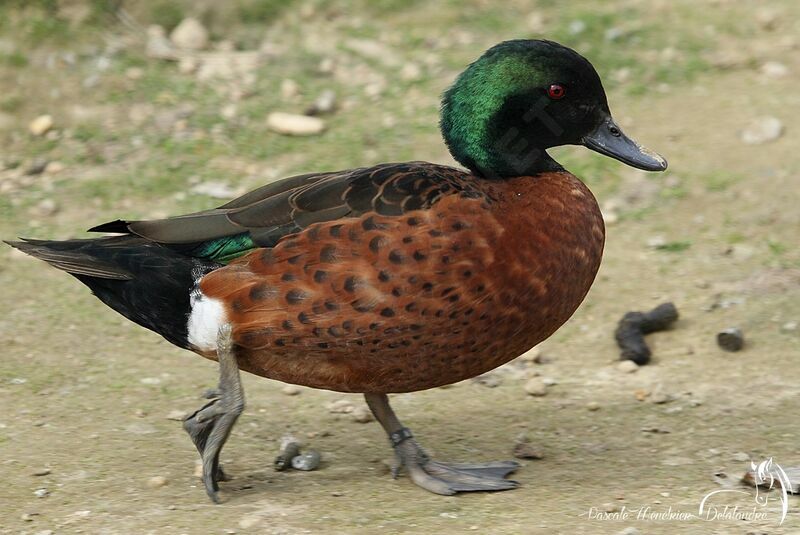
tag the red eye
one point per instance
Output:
(556, 91)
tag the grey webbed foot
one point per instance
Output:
(210, 426)
(437, 477)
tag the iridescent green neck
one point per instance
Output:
(487, 115)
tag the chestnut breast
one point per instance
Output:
(432, 297)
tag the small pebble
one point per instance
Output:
(660, 396)
(290, 390)
(134, 73)
(774, 69)
(290, 448)
(730, 339)
(176, 415)
(789, 327)
(535, 387)
(37, 167)
(290, 124)
(190, 34)
(762, 130)
(289, 89)
(593, 406)
(28, 517)
(640, 394)
(41, 493)
(307, 461)
(340, 406)
(41, 472)
(523, 450)
(53, 168)
(41, 125)
(362, 415)
(157, 481)
(741, 457)
(627, 366)
(630, 531)
(325, 103)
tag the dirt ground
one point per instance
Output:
(86, 398)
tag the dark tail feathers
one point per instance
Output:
(145, 282)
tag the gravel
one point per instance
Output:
(291, 124)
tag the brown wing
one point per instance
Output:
(273, 211)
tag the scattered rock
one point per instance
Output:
(641, 394)
(190, 34)
(134, 73)
(627, 366)
(656, 242)
(536, 22)
(630, 530)
(741, 457)
(41, 472)
(188, 64)
(762, 130)
(774, 69)
(41, 125)
(239, 66)
(593, 406)
(789, 327)
(290, 390)
(489, 380)
(176, 415)
(362, 415)
(28, 517)
(731, 339)
(767, 19)
(37, 167)
(217, 190)
(524, 450)
(41, 493)
(295, 125)
(532, 355)
(45, 208)
(289, 89)
(307, 461)
(53, 168)
(536, 387)
(576, 27)
(411, 72)
(249, 521)
(158, 46)
(324, 104)
(340, 406)
(156, 482)
(290, 448)
(660, 396)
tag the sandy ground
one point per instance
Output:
(85, 395)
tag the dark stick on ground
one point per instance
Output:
(634, 325)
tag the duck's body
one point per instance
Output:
(394, 278)
(396, 303)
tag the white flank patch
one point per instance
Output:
(205, 319)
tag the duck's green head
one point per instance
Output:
(524, 96)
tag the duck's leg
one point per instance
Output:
(440, 478)
(210, 426)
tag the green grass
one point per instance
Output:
(674, 246)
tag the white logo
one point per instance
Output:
(765, 474)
